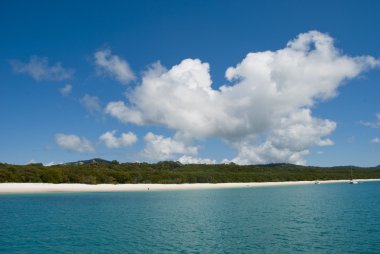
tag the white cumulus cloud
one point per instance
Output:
(265, 112)
(111, 141)
(52, 163)
(124, 113)
(158, 147)
(186, 159)
(375, 140)
(74, 143)
(113, 66)
(39, 69)
(66, 90)
(287, 142)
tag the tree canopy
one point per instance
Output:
(174, 172)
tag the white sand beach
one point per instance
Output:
(7, 188)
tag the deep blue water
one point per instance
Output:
(326, 218)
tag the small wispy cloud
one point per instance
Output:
(114, 66)
(373, 124)
(375, 140)
(66, 90)
(351, 139)
(39, 69)
(91, 103)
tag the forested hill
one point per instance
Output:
(98, 171)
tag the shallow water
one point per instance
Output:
(325, 218)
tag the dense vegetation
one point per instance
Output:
(174, 172)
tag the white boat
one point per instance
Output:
(317, 182)
(352, 181)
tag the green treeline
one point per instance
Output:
(175, 172)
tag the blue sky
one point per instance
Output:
(195, 81)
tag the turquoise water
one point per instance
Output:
(326, 218)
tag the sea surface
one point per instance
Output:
(325, 218)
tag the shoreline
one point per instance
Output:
(23, 188)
